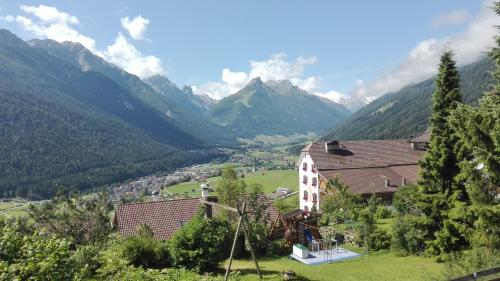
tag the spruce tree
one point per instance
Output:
(478, 129)
(439, 189)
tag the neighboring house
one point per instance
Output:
(420, 141)
(366, 167)
(164, 218)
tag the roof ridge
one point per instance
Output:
(370, 167)
(159, 201)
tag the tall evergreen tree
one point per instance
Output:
(440, 190)
(479, 131)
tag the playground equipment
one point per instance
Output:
(320, 239)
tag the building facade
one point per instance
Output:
(366, 167)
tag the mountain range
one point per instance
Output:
(275, 108)
(69, 119)
(62, 127)
(406, 112)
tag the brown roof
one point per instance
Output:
(423, 137)
(365, 154)
(364, 165)
(163, 217)
(368, 180)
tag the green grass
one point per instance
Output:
(385, 224)
(270, 180)
(383, 265)
(13, 209)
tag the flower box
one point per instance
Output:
(301, 251)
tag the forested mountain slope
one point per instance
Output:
(406, 112)
(157, 92)
(61, 127)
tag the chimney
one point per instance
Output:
(387, 182)
(207, 199)
(205, 190)
(332, 146)
(403, 181)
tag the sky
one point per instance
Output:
(332, 48)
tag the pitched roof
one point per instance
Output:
(365, 154)
(423, 137)
(163, 217)
(368, 180)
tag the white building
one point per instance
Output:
(366, 167)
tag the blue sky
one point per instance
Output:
(330, 47)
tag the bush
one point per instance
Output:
(379, 240)
(463, 263)
(277, 248)
(383, 212)
(407, 235)
(201, 244)
(145, 251)
(404, 200)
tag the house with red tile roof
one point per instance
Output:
(366, 167)
(164, 218)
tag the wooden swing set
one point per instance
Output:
(242, 223)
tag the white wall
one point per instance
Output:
(306, 158)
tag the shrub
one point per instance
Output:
(383, 212)
(200, 245)
(404, 200)
(407, 235)
(145, 251)
(379, 240)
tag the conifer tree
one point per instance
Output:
(439, 188)
(478, 129)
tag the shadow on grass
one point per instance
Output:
(266, 274)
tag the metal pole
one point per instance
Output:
(240, 221)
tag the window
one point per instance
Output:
(315, 198)
(304, 179)
(313, 168)
(306, 208)
(314, 181)
(304, 166)
(305, 196)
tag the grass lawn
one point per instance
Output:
(377, 266)
(13, 209)
(270, 180)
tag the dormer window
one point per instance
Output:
(314, 181)
(304, 166)
(304, 179)
(305, 196)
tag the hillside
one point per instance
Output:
(179, 108)
(62, 127)
(275, 108)
(406, 112)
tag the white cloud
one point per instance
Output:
(49, 23)
(277, 67)
(455, 17)
(135, 27)
(126, 56)
(49, 14)
(422, 61)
